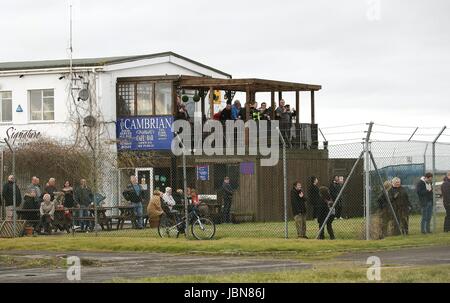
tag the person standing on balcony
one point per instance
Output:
(445, 189)
(424, 191)
(264, 111)
(255, 114)
(236, 111)
(282, 113)
(226, 113)
(181, 113)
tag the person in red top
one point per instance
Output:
(194, 198)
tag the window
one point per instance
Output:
(42, 105)
(126, 100)
(144, 99)
(6, 106)
(163, 98)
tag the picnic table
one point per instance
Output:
(126, 213)
(60, 220)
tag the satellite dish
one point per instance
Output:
(83, 94)
(89, 121)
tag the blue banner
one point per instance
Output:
(202, 172)
(144, 133)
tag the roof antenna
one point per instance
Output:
(70, 46)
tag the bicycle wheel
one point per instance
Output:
(203, 229)
(167, 228)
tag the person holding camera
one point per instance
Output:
(284, 115)
(298, 201)
(134, 194)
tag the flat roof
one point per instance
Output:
(253, 84)
(89, 62)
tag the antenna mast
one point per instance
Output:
(71, 48)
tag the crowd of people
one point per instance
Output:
(236, 111)
(72, 201)
(327, 205)
(326, 202)
(166, 202)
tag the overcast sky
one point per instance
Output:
(390, 65)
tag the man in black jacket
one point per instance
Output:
(8, 196)
(424, 190)
(227, 200)
(134, 194)
(445, 189)
(335, 188)
(298, 202)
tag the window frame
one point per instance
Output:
(1, 106)
(42, 120)
(153, 97)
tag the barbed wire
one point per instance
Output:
(343, 126)
(398, 126)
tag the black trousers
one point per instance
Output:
(226, 209)
(321, 218)
(46, 221)
(447, 219)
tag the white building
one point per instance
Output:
(44, 99)
(35, 96)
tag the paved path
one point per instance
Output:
(432, 255)
(137, 265)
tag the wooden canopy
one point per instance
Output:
(244, 85)
(250, 87)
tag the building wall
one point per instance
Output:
(104, 85)
(58, 128)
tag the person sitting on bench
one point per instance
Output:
(47, 212)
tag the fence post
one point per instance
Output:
(433, 159)
(94, 186)
(286, 228)
(186, 213)
(3, 210)
(14, 187)
(367, 179)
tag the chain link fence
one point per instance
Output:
(253, 204)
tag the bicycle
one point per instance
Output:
(202, 228)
